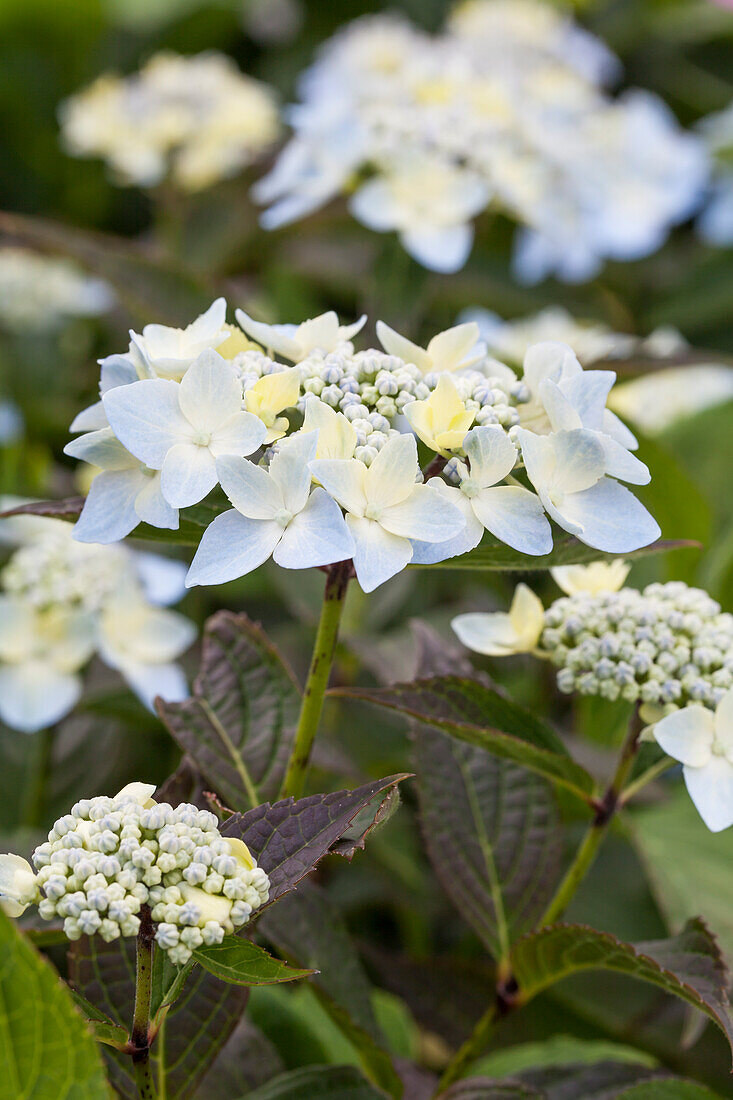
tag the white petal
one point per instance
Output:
(34, 696)
(378, 555)
(90, 420)
(250, 488)
(711, 789)
(143, 633)
(117, 370)
(580, 460)
(232, 545)
(549, 359)
(109, 511)
(492, 454)
(514, 516)
(622, 464)
(616, 428)
(391, 477)
(163, 579)
(429, 553)
(101, 448)
(17, 884)
(152, 507)
(344, 479)
(147, 418)
(490, 634)
(289, 469)
(588, 393)
(277, 338)
(373, 205)
(445, 250)
(424, 515)
(17, 628)
(397, 345)
(538, 455)
(242, 434)
(687, 734)
(560, 410)
(142, 793)
(210, 392)
(611, 518)
(724, 722)
(150, 681)
(527, 616)
(318, 535)
(188, 474)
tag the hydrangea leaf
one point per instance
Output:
(238, 725)
(481, 1088)
(46, 1048)
(472, 712)
(241, 962)
(689, 966)
(288, 838)
(197, 1025)
(325, 1082)
(490, 554)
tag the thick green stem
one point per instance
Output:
(324, 649)
(605, 811)
(471, 1049)
(139, 1045)
(39, 768)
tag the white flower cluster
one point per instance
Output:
(335, 474)
(716, 220)
(194, 120)
(62, 601)
(668, 648)
(654, 400)
(39, 293)
(666, 645)
(109, 857)
(503, 109)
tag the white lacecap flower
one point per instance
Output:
(385, 508)
(109, 857)
(194, 120)
(599, 576)
(63, 601)
(274, 514)
(500, 634)
(295, 342)
(458, 348)
(702, 740)
(41, 293)
(444, 126)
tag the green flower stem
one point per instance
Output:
(39, 767)
(139, 1045)
(337, 582)
(471, 1049)
(605, 811)
(648, 776)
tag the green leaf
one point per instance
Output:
(321, 1082)
(490, 554)
(481, 1088)
(242, 962)
(46, 1049)
(105, 1031)
(671, 1089)
(559, 1050)
(196, 1027)
(307, 928)
(238, 724)
(688, 966)
(688, 867)
(376, 1061)
(479, 715)
(598, 1081)
(492, 833)
(151, 289)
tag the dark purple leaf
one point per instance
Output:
(288, 838)
(238, 725)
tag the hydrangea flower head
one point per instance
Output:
(109, 857)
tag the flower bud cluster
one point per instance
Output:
(668, 645)
(110, 856)
(54, 569)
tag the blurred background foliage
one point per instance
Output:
(656, 871)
